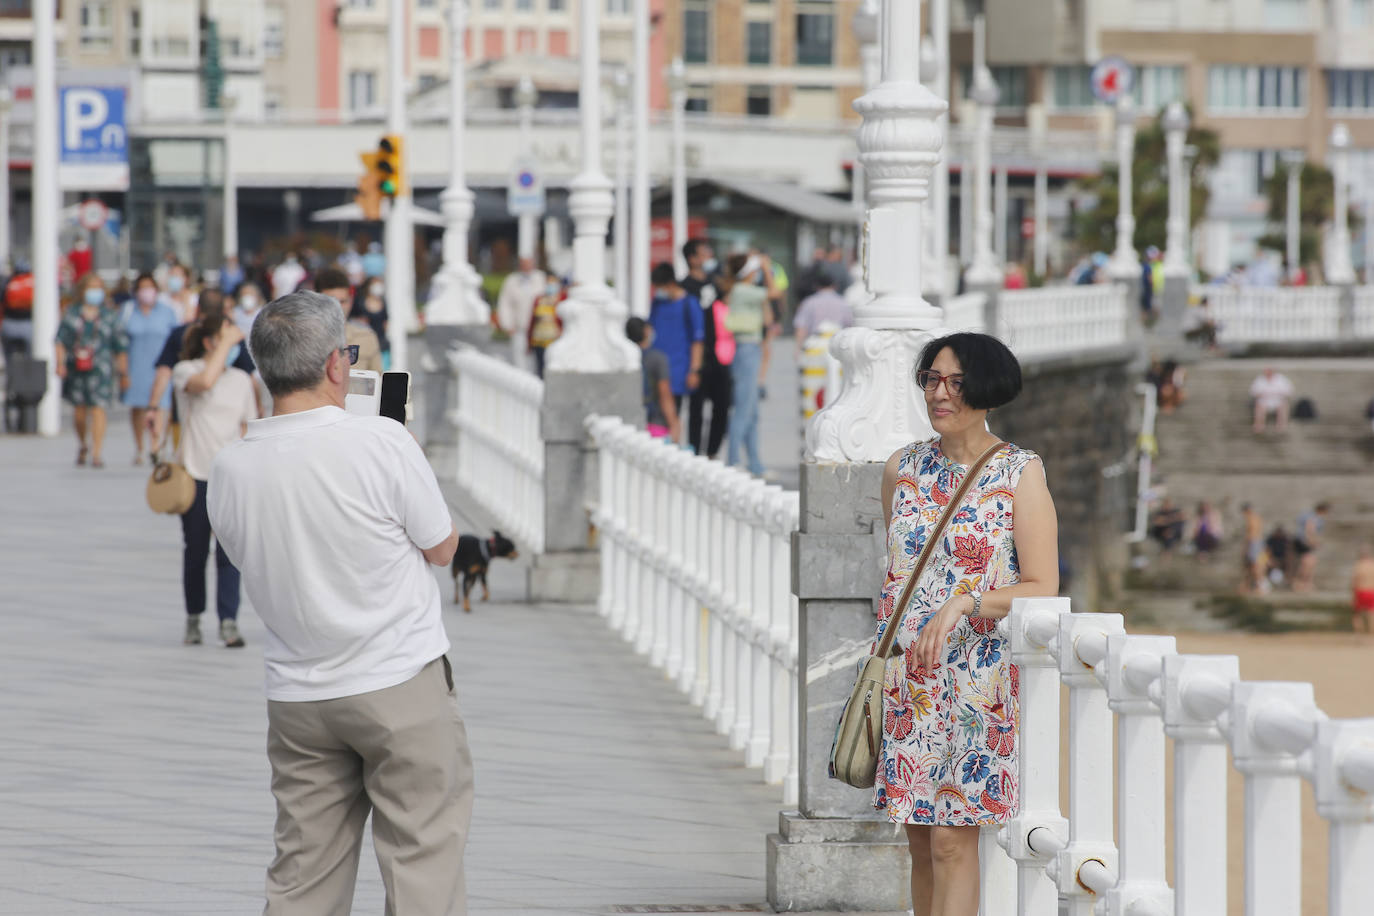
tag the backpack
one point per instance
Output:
(1304, 409)
(18, 297)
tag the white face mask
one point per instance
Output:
(375, 289)
(248, 302)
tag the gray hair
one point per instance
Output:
(292, 338)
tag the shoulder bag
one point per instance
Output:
(859, 733)
(171, 489)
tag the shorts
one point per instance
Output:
(1253, 551)
(1364, 600)
(1301, 548)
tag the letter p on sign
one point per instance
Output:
(85, 110)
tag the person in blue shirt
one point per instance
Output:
(679, 331)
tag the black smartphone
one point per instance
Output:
(395, 394)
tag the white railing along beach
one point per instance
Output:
(1054, 320)
(1276, 736)
(1296, 314)
(696, 574)
(500, 450)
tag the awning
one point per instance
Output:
(794, 199)
(352, 213)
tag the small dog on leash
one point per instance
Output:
(470, 562)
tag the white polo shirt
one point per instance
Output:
(325, 514)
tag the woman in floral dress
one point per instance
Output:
(951, 696)
(92, 351)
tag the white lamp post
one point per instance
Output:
(933, 271)
(677, 87)
(399, 236)
(593, 316)
(1339, 269)
(1125, 264)
(865, 24)
(620, 226)
(46, 202)
(984, 270)
(899, 145)
(229, 102)
(638, 297)
(938, 11)
(455, 298)
(528, 224)
(1293, 162)
(6, 104)
(1176, 225)
(1039, 127)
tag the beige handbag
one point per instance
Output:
(859, 734)
(171, 490)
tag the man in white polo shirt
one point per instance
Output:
(334, 520)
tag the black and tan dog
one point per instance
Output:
(471, 561)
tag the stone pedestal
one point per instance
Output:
(1347, 321)
(438, 381)
(569, 569)
(836, 852)
(1171, 308)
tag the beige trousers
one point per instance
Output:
(399, 753)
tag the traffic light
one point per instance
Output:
(393, 180)
(369, 196)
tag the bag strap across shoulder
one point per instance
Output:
(938, 533)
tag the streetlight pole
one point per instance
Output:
(1293, 215)
(46, 202)
(1039, 128)
(6, 104)
(984, 271)
(229, 101)
(525, 97)
(1125, 263)
(454, 297)
(1339, 269)
(639, 233)
(1176, 224)
(938, 11)
(399, 234)
(620, 226)
(677, 85)
(865, 26)
(593, 316)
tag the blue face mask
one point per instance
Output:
(94, 296)
(233, 354)
(175, 284)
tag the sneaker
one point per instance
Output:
(229, 634)
(192, 630)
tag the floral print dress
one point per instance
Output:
(949, 735)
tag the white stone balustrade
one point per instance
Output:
(966, 312)
(1290, 314)
(1276, 736)
(695, 574)
(1061, 320)
(500, 451)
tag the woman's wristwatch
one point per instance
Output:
(977, 604)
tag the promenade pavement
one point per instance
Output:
(133, 775)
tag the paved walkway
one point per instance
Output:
(133, 777)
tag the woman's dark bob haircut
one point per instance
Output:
(992, 376)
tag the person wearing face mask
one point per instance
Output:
(950, 692)
(178, 295)
(91, 349)
(369, 306)
(544, 324)
(215, 402)
(515, 305)
(147, 324)
(247, 305)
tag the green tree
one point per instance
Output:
(1096, 227)
(1316, 207)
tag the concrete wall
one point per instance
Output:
(1079, 415)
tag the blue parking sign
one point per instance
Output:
(93, 139)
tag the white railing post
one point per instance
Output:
(715, 599)
(697, 670)
(1271, 724)
(781, 624)
(601, 428)
(663, 522)
(616, 440)
(1034, 625)
(1343, 779)
(677, 467)
(746, 495)
(1134, 665)
(1196, 690)
(1087, 866)
(760, 626)
(635, 599)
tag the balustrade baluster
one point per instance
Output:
(747, 492)
(634, 595)
(780, 624)
(760, 621)
(675, 469)
(658, 459)
(729, 686)
(715, 650)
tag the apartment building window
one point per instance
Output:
(19, 55)
(615, 7)
(760, 43)
(759, 101)
(1073, 87)
(1361, 14)
(1251, 89)
(1011, 84)
(361, 4)
(698, 99)
(696, 32)
(524, 6)
(815, 36)
(273, 32)
(1350, 90)
(1286, 14)
(1156, 87)
(362, 90)
(135, 33)
(97, 30)
(1242, 174)
(492, 4)
(170, 32)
